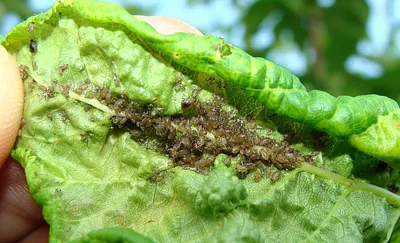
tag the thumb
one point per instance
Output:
(168, 25)
(11, 103)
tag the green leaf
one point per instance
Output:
(124, 127)
(220, 192)
(115, 234)
(237, 227)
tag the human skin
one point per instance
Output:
(20, 218)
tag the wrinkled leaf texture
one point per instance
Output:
(94, 184)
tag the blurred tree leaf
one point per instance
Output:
(20, 7)
(331, 33)
(136, 9)
(345, 22)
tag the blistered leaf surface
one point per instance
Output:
(84, 62)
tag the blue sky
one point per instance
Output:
(221, 12)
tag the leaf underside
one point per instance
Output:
(84, 64)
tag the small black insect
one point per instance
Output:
(188, 103)
(33, 46)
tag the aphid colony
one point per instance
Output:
(205, 130)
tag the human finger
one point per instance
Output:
(167, 25)
(11, 103)
(19, 215)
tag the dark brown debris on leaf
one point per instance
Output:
(205, 130)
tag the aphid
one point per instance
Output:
(119, 120)
(227, 161)
(63, 116)
(58, 191)
(61, 68)
(85, 135)
(268, 171)
(275, 176)
(136, 133)
(145, 123)
(235, 150)
(34, 66)
(31, 27)
(31, 85)
(158, 176)
(109, 98)
(49, 115)
(178, 85)
(265, 153)
(103, 92)
(65, 89)
(120, 103)
(116, 80)
(182, 153)
(198, 142)
(23, 72)
(33, 46)
(188, 103)
(67, 228)
(48, 92)
(241, 168)
(81, 88)
(87, 107)
(257, 176)
(156, 99)
(204, 162)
